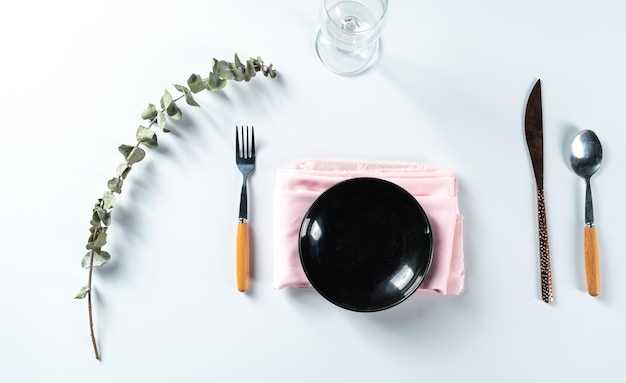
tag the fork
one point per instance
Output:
(245, 157)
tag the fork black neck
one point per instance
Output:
(243, 203)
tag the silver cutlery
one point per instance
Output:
(585, 158)
(533, 129)
(245, 157)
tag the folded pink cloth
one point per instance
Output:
(434, 188)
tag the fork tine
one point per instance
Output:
(245, 142)
(237, 152)
(253, 146)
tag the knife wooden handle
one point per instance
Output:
(592, 261)
(544, 250)
(243, 257)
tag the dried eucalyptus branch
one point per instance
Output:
(101, 214)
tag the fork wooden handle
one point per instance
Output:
(592, 261)
(243, 257)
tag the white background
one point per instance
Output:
(449, 89)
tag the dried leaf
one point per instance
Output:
(149, 113)
(238, 63)
(181, 88)
(174, 112)
(132, 154)
(187, 93)
(250, 70)
(115, 184)
(94, 222)
(123, 170)
(101, 258)
(161, 120)
(166, 99)
(230, 71)
(195, 83)
(97, 231)
(100, 213)
(104, 216)
(214, 82)
(258, 62)
(97, 244)
(269, 71)
(95, 218)
(224, 70)
(147, 137)
(86, 261)
(108, 200)
(190, 100)
(82, 293)
(238, 74)
(125, 150)
(136, 155)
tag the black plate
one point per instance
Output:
(365, 244)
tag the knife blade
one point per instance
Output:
(533, 130)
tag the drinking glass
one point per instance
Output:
(348, 39)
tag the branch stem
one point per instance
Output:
(93, 335)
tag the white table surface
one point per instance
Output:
(449, 89)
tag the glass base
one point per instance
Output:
(340, 61)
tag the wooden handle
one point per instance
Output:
(592, 261)
(243, 257)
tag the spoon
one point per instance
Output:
(585, 158)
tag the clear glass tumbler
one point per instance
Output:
(348, 38)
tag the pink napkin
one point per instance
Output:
(434, 188)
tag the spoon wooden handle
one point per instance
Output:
(243, 257)
(592, 261)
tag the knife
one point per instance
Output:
(533, 129)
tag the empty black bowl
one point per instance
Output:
(365, 244)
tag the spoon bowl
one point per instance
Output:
(586, 154)
(585, 158)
